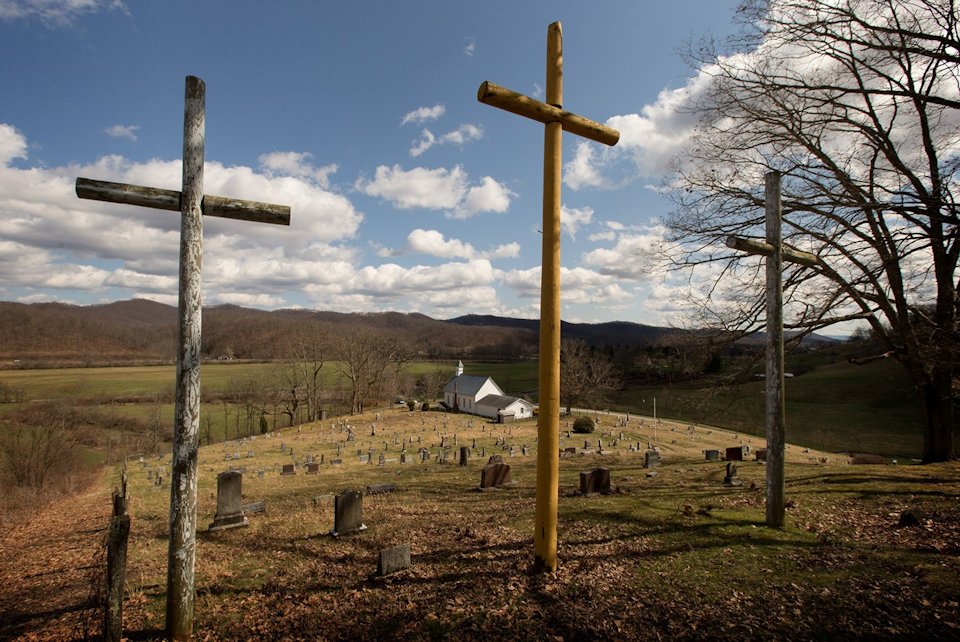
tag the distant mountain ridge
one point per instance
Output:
(140, 329)
(610, 332)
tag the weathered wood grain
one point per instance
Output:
(167, 199)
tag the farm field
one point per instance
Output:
(836, 407)
(673, 552)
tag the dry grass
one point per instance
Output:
(677, 555)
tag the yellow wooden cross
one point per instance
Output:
(556, 120)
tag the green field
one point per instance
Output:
(835, 407)
(832, 406)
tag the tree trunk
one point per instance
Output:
(936, 405)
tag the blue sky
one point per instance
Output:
(407, 193)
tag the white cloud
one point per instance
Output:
(636, 256)
(398, 281)
(573, 218)
(425, 142)
(603, 236)
(649, 139)
(247, 299)
(434, 243)
(437, 189)
(54, 240)
(463, 134)
(537, 90)
(139, 281)
(58, 12)
(123, 131)
(470, 47)
(13, 144)
(297, 164)
(460, 136)
(423, 114)
(577, 285)
(432, 189)
(489, 196)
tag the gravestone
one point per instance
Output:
(364, 459)
(651, 458)
(348, 513)
(382, 460)
(254, 507)
(336, 461)
(393, 559)
(731, 478)
(229, 512)
(313, 468)
(595, 481)
(761, 454)
(735, 454)
(464, 455)
(495, 474)
(288, 470)
(712, 455)
(379, 489)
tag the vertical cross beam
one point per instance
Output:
(556, 120)
(774, 371)
(776, 253)
(181, 554)
(193, 205)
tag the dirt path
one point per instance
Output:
(48, 567)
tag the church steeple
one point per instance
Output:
(459, 368)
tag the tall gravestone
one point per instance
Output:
(229, 494)
(348, 513)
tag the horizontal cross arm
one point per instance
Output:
(166, 199)
(516, 103)
(752, 246)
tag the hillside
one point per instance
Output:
(140, 330)
(610, 333)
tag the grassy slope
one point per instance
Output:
(678, 555)
(836, 407)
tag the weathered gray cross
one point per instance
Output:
(556, 121)
(192, 204)
(776, 253)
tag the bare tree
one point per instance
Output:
(307, 354)
(35, 440)
(587, 376)
(856, 104)
(363, 360)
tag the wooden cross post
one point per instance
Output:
(192, 204)
(776, 254)
(556, 120)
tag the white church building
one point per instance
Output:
(479, 395)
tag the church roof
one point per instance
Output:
(467, 384)
(499, 401)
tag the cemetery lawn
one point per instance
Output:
(675, 555)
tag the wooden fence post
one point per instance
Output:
(117, 538)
